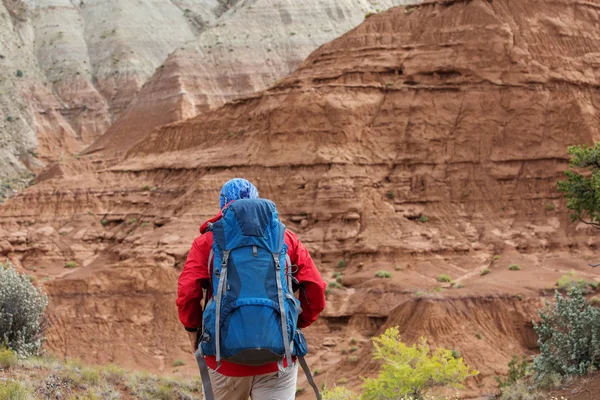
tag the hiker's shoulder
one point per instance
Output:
(205, 239)
(291, 239)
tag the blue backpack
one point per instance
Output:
(251, 319)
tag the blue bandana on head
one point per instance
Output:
(236, 189)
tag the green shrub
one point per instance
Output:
(423, 218)
(334, 285)
(459, 285)
(71, 264)
(178, 363)
(353, 349)
(300, 390)
(516, 370)
(514, 267)
(22, 313)
(353, 359)
(568, 337)
(390, 195)
(369, 14)
(497, 257)
(549, 207)
(443, 278)
(7, 358)
(383, 274)
(104, 222)
(341, 264)
(581, 188)
(19, 73)
(485, 271)
(12, 390)
(412, 370)
(90, 376)
(146, 188)
(568, 282)
(339, 393)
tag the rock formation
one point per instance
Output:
(70, 68)
(426, 141)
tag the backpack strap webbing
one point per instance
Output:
(222, 280)
(206, 385)
(309, 377)
(284, 331)
(288, 263)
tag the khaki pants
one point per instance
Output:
(274, 386)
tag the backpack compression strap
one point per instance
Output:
(222, 280)
(309, 377)
(284, 331)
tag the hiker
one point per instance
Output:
(254, 372)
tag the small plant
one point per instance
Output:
(22, 313)
(517, 370)
(146, 188)
(409, 11)
(412, 371)
(104, 222)
(390, 195)
(334, 285)
(353, 349)
(317, 372)
(595, 301)
(459, 285)
(7, 358)
(443, 278)
(398, 268)
(484, 272)
(339, 280)
(132, 221)
(338, 393)
(569, 337)
(19, 73)
(71, 264)
(9, 118)
(383, 274)
(353, 341)
(337, 274)
(144, 224)
(497, 257)
(456, 354)
(341, 264)
(369, 14)
(419, 294)
(549, 207)
(423, 218)
(300, 390)
(478, 335)
(13, 390)
(178, 363)
(514, 267)
(353, 359)
(568, 282)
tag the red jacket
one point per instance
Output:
(195, 275)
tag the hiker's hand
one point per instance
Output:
(193, 340)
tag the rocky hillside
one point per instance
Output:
(426, 142)
(71, 68)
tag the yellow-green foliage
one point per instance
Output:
(412, 370)
(568, 281)
(7, 358)
(339, 393)
(11, 390)
(113, 373)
